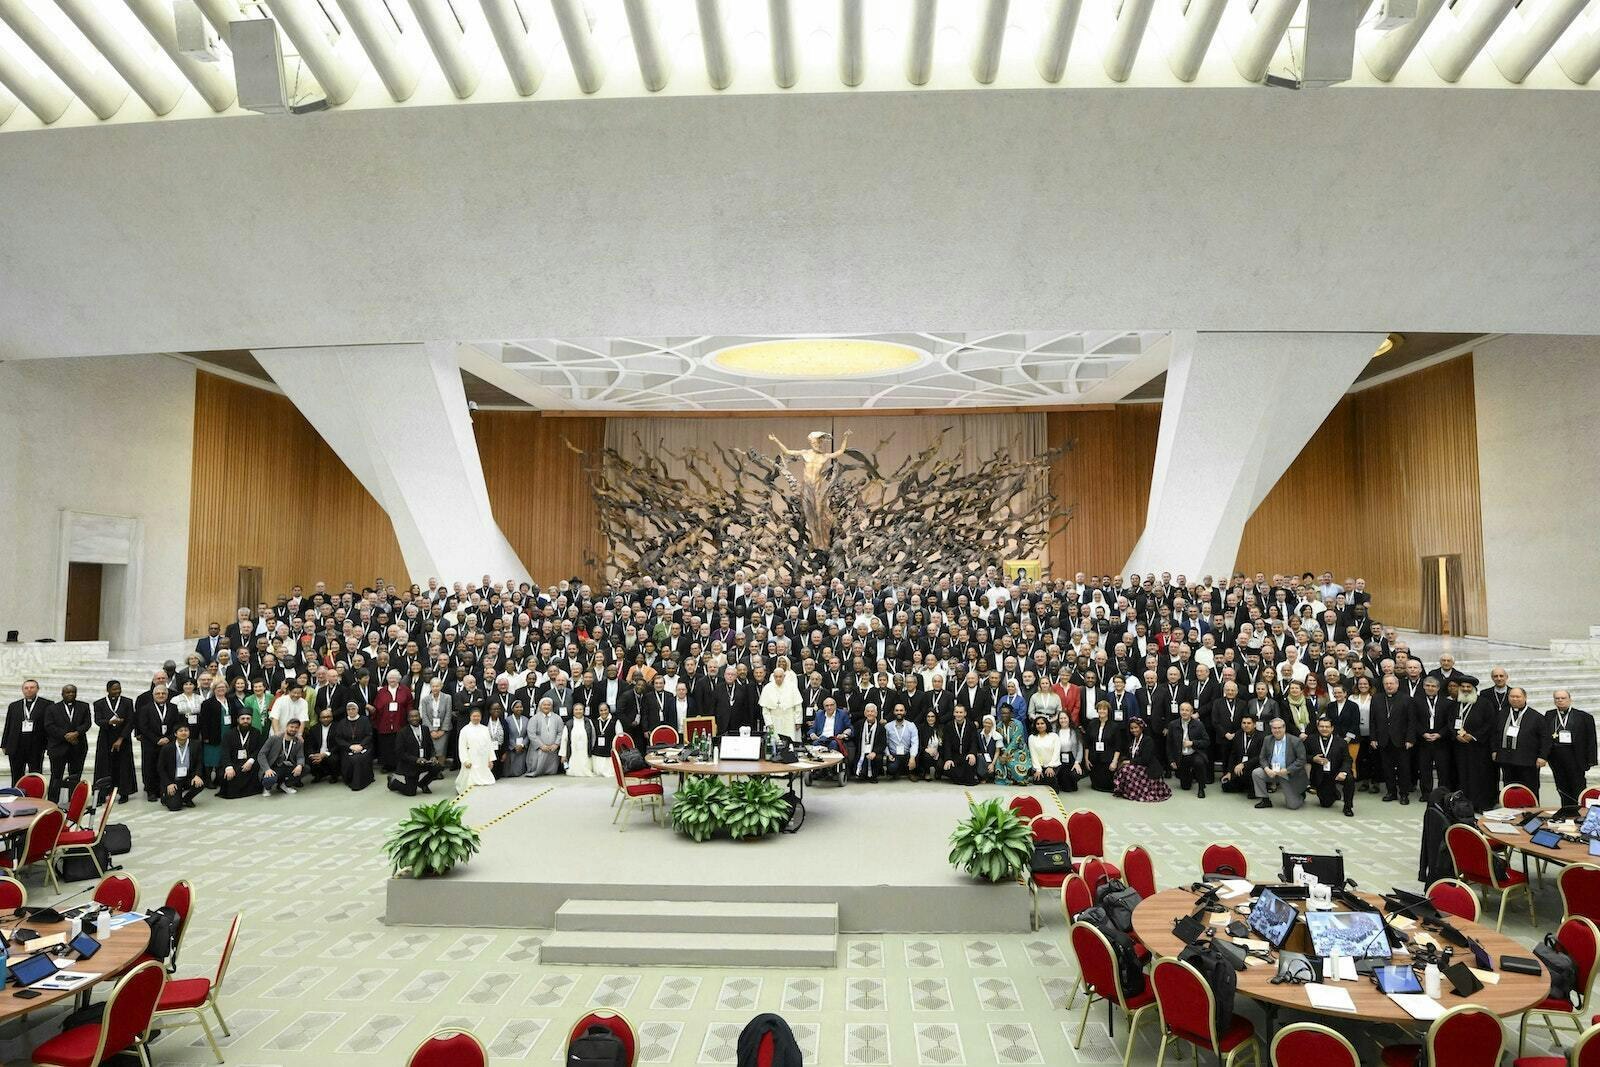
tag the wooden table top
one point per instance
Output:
(125, 945)
(17, 824)
(1514, 993)
(1565, 851)
(729, 767)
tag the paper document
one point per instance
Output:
(126, 918)
(1419, 1006)
(1499, 828)
(1235, 887)
(66, 980)
(1329, 998)
(1347, 969)
(1503, 814)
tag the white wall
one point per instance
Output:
(1539, 464)
(110, 436)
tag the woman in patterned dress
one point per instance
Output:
(1011, 760)
(1139, 777)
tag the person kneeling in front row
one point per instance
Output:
(180, 771)
(1283, 762)
(1331, 773)
(1243, 757)
(958, 753)
(283, 760)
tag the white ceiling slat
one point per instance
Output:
(655, 66)
(156, 86)
(447, 38)
(213, 81)
(1056, 40)
(1122, 47)
(8, 104)
(375, 27)
(991, 38)
(102, 93)
(780, 22)
(1194, 37)
(305, 24)
(220, 13)
(1452, 52)
(1519, 53)
(38, 90)
(919, 50)
(714, 42)
(852, 43)
(573, 22)
(1387, 53)
(1269, 22)
(510, 30)
(1580, 58)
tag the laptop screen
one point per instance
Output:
(1358, 934)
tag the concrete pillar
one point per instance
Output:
(397, 416)
(1238, 409)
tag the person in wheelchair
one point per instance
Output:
(830, 728)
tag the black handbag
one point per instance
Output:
(1051, 857)
(632, 760)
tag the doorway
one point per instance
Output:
(1443, 596)
(249, 588)
(85, 586)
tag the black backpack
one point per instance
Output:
(1129, 969)
(1562, 967)
(163, 923)
(1216, 970)
(785, 1049)
(597, 1047)
(1118, 901)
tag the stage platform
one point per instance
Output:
(879, 852)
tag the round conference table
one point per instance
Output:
(754, 768)
(1514, 993)
(1564, 852)
(124, 946)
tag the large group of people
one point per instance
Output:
(1263, 686)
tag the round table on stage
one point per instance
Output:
(124, 947)
(1514, 993)
(751, 768)
(1564, 852)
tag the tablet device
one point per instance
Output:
(1594, 846)
(1397, 978)
(1545, 838)
(1357, 934)
(1188, 929)
(1532, 823)
(35, 968)
(1462, 981)
(1272, 918)
(1480, 956)
(1591, 822)
(84, 945)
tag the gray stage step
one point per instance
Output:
(698, 916)
(690, 949)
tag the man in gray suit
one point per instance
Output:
(1283, 760)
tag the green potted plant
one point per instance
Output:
(754, 808)
(697, 806)
(431, 840)
(991, 843)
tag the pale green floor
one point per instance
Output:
(318, 978)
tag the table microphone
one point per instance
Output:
(50, 913)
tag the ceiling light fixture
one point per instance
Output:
(821, 357)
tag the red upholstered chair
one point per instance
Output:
(625, 742)
(1582, 941)
(635, 793)
(1189, 1013)
(449, 1048)
(1075, 897)
(32, 786)
(1579, 884)
(38, 845)
(1469, 851)
(1097, 968)
(1465, 1036)
(1589, 796)
(1045, 830)
(1087, 834)
(1518, 796)
(1585, 1053)
(664, 735)
(77, 804)
(1223, 858)
(1139, 870)
(13, 894)
(74, 840)
(124, 1024)
(1454, 898)
(611, 1021)
(699, 726)
(1028, 807)
(119, 892)
(1309, 1043)
(180, 898)
(184, 997)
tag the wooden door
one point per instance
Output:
(83, 601)
(249, 588)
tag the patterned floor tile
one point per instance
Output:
(930, 994)
(997, 994)
(739, 994)
(864, 994)
(721, 1044)
(1056, 990)
(362, 984)
(940, 1044)
(1014, 1043)
(1042, 953)
(408, 947)
(516, 1038)
(375, 1034)
(865, 954)
(302, 1031)
(522, 950)
(490, 988)
(614, 991)
(801, 994)
(675, 993)
(297, 983)
(866, 1043)
(984, 954)
(424, 987)
(551, 991)
(923, 953)
(466, 947)
(658, 1041)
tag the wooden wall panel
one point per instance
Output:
(1105, 474)
(538, 489)
(268, 492)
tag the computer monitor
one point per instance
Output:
(1591, 822)
(1329, 870)
(1358, 934)
(1272, 918)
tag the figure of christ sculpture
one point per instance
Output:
(816, 479)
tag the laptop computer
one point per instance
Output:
(1357, 934)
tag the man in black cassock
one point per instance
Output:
(66, 733)
(416, 765)
(1521, 742)
(113, 747)
(1572, 747)
(352, 742)
(240, 775)
(180, 770)
(322, 759)
(24, 731)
